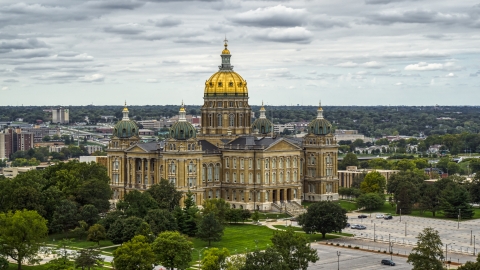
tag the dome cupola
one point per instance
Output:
(262, 125)
(226, 82)
(320, 126)
(182, 130)
(125, 128)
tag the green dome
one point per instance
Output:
(263, 125)
(182, 131)
(320, 127)
(125, 129)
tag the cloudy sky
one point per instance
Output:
(344, 52)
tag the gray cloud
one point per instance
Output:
(116, 4)
(476, 74)
(384, 2)
(10, 81)
(325, 21)
(124, 29)
(277, 16)
(31, 43)
(420, 16)
(288, 35)
(168, 22)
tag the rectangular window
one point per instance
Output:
(241, 178)
(250, 163)
(191, 182)
(227, 161)
(241, 163)
(258, 163)
(259, 178)
(234, 163)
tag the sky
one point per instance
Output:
(159, 52)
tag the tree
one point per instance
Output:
(65, 216)
(215, 259)
(374, 182)
(430, 198)
(467, 266)
(4, 263)
(136, 254)
(88, 258)
(130, 228)
(294, 248)
(324, 217)
(219, 207)
(210, 229)
(89, 214)
(96, 233)
(269, 259)
(370, 201)
(20, 235)
(137, 204)
(115, 232)
(190, 213)
(81, 231)
(350, 159)
(165, 194)
(428, 252)
(454, 199)
(236, 262)
(173, 250)
(160, 220)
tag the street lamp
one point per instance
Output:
(390, 247)
(338, 260)
(200, 254)
(400, 214)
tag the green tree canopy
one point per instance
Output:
(20, 235)
(210, 229)
(173, 250)
(294, 248)
(371, 201)
(96, 233)
(428, 252)
(215, 259)
(136, 254)
(165, 194)
(324, 217)
(374, 182)
(269, 259)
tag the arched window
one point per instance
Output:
(259, 178)
(217, 172)
(240, 120)
(274, 165)
(267, 195)
(210, 173)
(242, 180)
(219, 120)
(250, 195)
(295, 176)
(250, 178)
(191, 167)
(266, 178)
(227, 177)
(288, 163)
(210, 122)
(280, 179)
(288, 177)
(266, 163)
(173, 168)
(234, 177)
(280, 163)
(231, 119)
(294, 162)
(274, 178)
(204, 173)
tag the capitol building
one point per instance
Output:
(229, 157)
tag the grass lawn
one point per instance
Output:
(385, 209)
(54, 239)
(240, 238)
(297, 229)
(440, 215)
(348, 205)
(37, 267)
(273, 215)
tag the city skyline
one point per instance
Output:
(159, 52)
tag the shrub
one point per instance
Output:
(356, 247)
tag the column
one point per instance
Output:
(127, 177)
(148, 171)
(142, 180)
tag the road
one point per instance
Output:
(353, 259)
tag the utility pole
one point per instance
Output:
(458, 226)
(405, 228)
(374, 237)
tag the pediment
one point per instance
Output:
(282, 145)
(136, 149)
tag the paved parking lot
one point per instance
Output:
(459, 240)
(353, 259)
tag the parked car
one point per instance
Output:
(354, 226)
(362, 216)
(361, 227)
(388, 262)
(348, 225)
(388, 217)
(379, 216)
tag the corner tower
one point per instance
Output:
(226, 113)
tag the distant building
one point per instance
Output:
(40, 132)
(348, 135)
(146, 132)
(93, 148)
(280, 128)
(97, 159)
(150, 124)
(23, 141)
(347, 176)
(12, 172)
(60, 116)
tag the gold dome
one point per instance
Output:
(226, 83)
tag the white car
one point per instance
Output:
(379, 216)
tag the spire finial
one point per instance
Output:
(262, 103)
(125, 112)
(125, 103)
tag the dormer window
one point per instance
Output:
(219, 84)
(230, 84)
